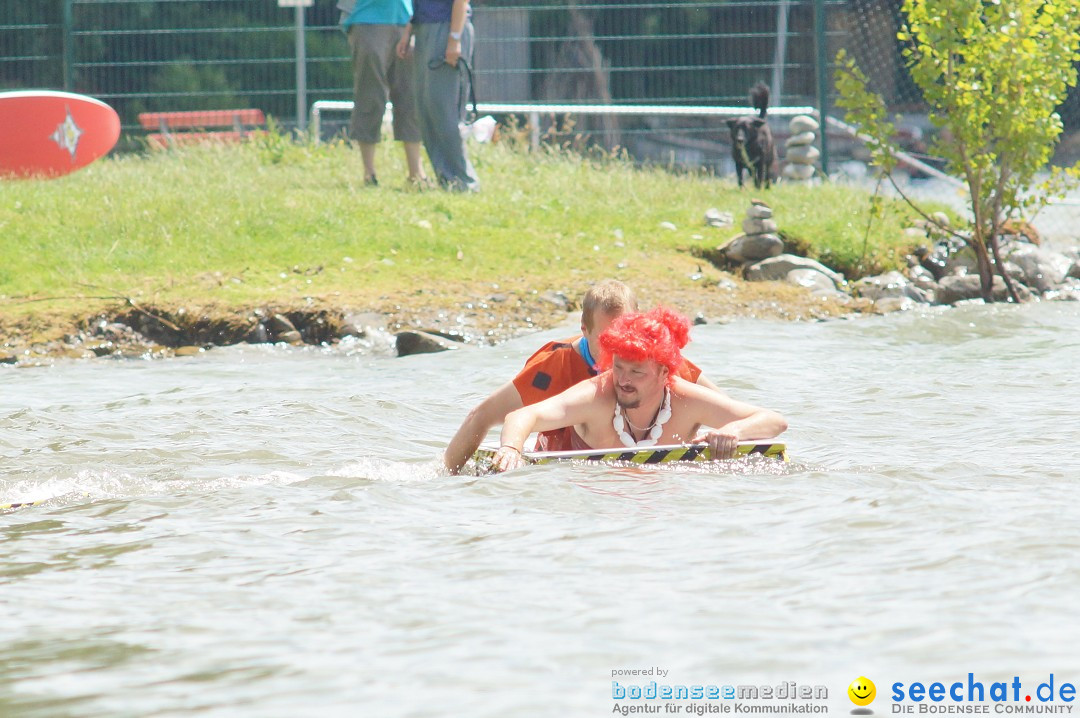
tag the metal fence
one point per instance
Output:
(202, 53)
(161, 55)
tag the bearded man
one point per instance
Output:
(553, 369)
(639, 400)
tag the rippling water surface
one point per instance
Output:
(266, 531)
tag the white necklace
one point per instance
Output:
(657, 426)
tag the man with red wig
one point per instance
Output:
(639, 400)
(553, 369)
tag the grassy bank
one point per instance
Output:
(273, 222)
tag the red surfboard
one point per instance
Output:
(48, 134)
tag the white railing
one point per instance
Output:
(535, 110)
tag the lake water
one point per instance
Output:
(265, 531)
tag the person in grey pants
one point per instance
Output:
(444, 38)
(374, 28)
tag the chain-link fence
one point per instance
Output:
(670, 53)
(162, 55)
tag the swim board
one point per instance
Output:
(19, 505)
(645, 455)
(48, 134)
(34, 502)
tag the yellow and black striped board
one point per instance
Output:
(36, 502)
(643, 455)
(23, 504)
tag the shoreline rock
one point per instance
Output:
(456, 316)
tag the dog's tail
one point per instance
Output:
(759, 98)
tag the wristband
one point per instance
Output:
(455, 35)
(509, 446)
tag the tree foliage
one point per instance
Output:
(994, 73)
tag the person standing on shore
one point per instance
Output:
(380, 72)
(444, 47)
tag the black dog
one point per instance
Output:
(752, 145)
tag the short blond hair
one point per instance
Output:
(610, 296)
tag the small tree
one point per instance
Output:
(993, 73)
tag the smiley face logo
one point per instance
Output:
(862, 691)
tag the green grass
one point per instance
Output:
(276, 221)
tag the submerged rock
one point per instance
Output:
(294, 337)
(960, 287)
(279, 325)
(890, 285)
(101, 348)
(116, 332)
(417, 342)
(886, 305)
(922, 278)
(259, 334)
(1063, 295)
(1042, 269)
(452, 336)
(360, 325)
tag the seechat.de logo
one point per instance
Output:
(862, 692)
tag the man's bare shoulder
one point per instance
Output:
(596, 387)
(682, 388)
(594, 396)
(691, 393)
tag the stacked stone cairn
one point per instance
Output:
(944, 273)
(799, 151)
(759, 239)
(759, 253)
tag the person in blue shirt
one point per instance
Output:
(444, 40)
(374, 28)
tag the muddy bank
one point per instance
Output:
(751, 276)
(481, 314)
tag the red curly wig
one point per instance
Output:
(658, 334)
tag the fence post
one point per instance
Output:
(67, 49)
(822, 46)
(301, 70)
